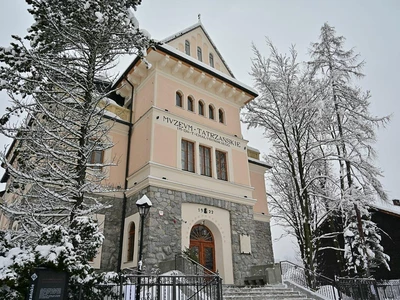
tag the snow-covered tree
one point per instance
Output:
(315, 120)
(58, 80)
(52, 78)
(351, 130)
(288, 109)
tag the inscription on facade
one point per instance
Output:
(199, 132)
(205, 210)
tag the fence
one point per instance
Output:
(368, 289)
(163, 287)
(389, 289)
(189, 280)
(341, 288)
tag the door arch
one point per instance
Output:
(202, 243)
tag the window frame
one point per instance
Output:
(93, 160)
(187, 47)
(221, 166)
(190, 103)
(201, 108)
(203, 159)
(211, 112)
(186, 163)
(221, 116)
(180, 95)
(131, 242)
(211, 59)
(199, 54)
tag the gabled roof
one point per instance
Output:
(191, 28)
(206, 68)
(191, 61)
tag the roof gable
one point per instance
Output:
(198, 37)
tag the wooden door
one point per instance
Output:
(202, 242)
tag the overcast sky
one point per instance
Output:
(372, 27)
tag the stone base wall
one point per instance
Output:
(162, 234)
(262, 250)
(112, 230)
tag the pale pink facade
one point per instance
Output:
(222, 190)
(158, 158)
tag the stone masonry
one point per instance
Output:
(162, 236)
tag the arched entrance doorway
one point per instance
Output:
(202, 242)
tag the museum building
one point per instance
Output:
(177, 139)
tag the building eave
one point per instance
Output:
(259, 163)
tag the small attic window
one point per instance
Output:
(187, 47)
(199, 54)
(211, 59)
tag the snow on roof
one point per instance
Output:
(207, 67)
(386, 206)
(259, 162)
(253, 149)
(190, 28)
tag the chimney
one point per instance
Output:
(396, 202)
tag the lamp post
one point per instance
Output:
(143, 205)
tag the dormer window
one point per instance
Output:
(187, 47)
(211, 59)
(199, 55)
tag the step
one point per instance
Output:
(265, 297)
(270, 292)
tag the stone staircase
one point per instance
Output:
(270, 292)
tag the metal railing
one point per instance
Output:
(189, 280)
(341, 288)
(357, 288)
(388, 289)
(368, 289)
(189, 266)
(163, 287)
(308, 279)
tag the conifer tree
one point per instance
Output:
(287, 109)
(351, 130)
(58, 80)
(55, 79)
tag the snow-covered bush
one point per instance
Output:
(60, 249)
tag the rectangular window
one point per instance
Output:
(205, 161)
(187, 156)
(96, 158)
(221, 165)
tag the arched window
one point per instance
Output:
(201, 108)
(178, 99)
(187, 47)
(211, 112)
(221, 116)
(211, 59)
(131, 241)
(190, 104)
(199, 55)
